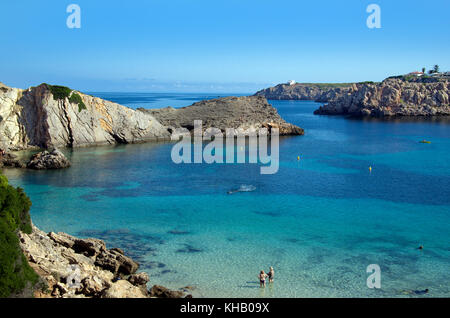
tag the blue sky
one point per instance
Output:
(215, 45)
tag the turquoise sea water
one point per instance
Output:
(319, 221)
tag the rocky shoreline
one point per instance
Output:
(396, 96)
(44, 160)
(84, 268)
(49, 116)
(392, 97)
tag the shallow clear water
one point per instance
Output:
(319, 221)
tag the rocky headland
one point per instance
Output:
(50, 116)
(240, 113)
(319, 92)
(395, 96)
(392, 97)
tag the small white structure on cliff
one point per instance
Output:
(292, 82)
(416, 73)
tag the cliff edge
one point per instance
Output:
(55, 116)
(392, 97)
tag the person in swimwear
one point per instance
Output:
(271, 274)
(262, 279)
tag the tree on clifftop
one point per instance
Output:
(436, 69)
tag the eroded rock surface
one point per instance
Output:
(392, 97)
(238, 113)
(74, 267)
(305, 91)
(36, 118)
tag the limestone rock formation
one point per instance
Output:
(305, 91)
(238, 113)
(49, 116)
(51, 256)
(53, 116)
(48, 160)
(392, 97)
(79, 268)
(10, 160)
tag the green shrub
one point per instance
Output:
(76, 99)
(59, 92)
(15, 272)
(63, 92)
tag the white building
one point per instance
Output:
(292, 82)
(416, 73)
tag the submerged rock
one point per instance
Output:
(10, 160)
(139, 279)
(163, 292)
(48, 160)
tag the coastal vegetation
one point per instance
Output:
(15, 272)
(63, 92)
(76, 99)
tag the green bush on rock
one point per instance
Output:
(15, 272)
(62, 92)
(76, 99)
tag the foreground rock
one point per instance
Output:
(10, 160)
(74, 267)
(238, 113)
(392, 97)
(48, 160)
(53, 116)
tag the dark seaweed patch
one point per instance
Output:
(189, 249)
(268, 213)
(90, 197)
(292, 240)
(178, 232)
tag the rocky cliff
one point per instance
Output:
(305, 91)
(392, 97)
(50, 116)
(53, 116)
(239, 113)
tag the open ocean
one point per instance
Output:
(319, 221)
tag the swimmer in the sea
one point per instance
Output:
(271, 274)
(262, 279)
